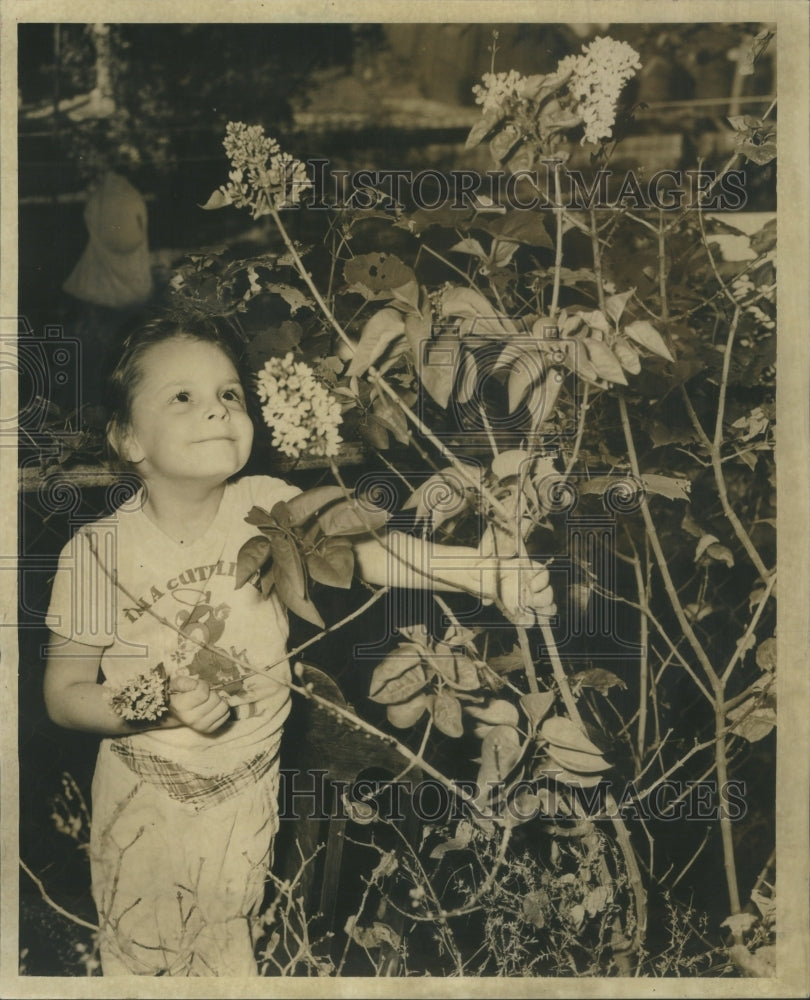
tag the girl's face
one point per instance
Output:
(189, 421)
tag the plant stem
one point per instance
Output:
(54, 905)
(558, 256)
(660, 558)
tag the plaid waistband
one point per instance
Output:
(198, 790)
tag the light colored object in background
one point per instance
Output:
(114, 269)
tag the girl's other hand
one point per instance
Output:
(195, 705)
(524, 592)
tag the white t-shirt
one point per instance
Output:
(192, 587)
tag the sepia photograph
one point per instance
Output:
(404, 422)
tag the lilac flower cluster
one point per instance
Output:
(143, 698)
(298, 408)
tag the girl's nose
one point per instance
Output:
(218, 409)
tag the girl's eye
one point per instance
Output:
(232, 395)
(182, 396)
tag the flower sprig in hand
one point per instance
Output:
(143, 698)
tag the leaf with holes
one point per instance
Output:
(644, 333)
(399, 677)
(598, 678)
(352, 518)
(252, 556)
(446, 713)
(372, 273)
(292, 296)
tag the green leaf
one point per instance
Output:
(628, 356)
(500, 752)
(544, 397)
(217, 200)
(290, 579)
(447, 714)
(483, 127)
(292, 296)
(598, 678)
(252, 556)
(755, 723)
(537, 705)
(334, 569)
(261, 518)
(467, 378)
(604, 361)
(399, 677)
(434, 358)
(522, 377)
(614, 306)
(408, 713)
(379, 332)
(520, 226)
(304, 505)
(471, 247)
(281, 514)
(667, 486)
(457, 670)
(352, 518)
(508, 463)
(644, 333)
(564, 734)
(576, 762)
(766, 654)
(472, 305)
(377, 272)
(497, 712)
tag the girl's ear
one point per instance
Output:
(123, 443)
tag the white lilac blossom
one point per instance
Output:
(298, 408)
(597, 78)
(261, 177)
(497, 89)
(142, 698)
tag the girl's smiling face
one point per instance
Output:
(188, 416)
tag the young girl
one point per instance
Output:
(184, 806)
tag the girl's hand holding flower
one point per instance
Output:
(194, 704)
(524, 591)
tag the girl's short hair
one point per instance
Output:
(125, 373)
